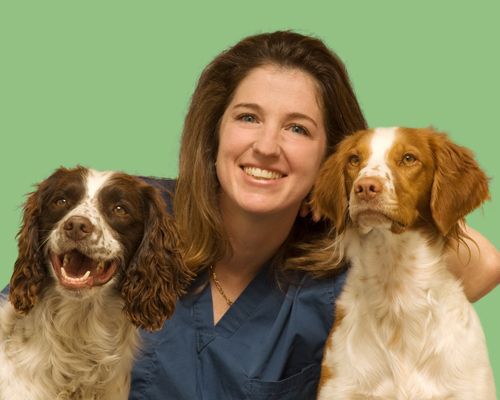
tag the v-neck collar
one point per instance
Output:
(243, 307)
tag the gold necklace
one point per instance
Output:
(219, 287)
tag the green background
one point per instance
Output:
(106, 84)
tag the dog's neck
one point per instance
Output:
(76, 317)
(401, 277)
(76, 334)
(390, 262)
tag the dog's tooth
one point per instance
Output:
(74, 280)
(65, 260)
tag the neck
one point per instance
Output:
(69, 355)
(398, 279)
(409, 258)
(254, 239)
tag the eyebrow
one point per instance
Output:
(256, 107)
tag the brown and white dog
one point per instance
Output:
(97, 258)
(403, 328)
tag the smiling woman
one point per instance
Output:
(262, 118)
(272, 141)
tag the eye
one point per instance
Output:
(247, 118)
(298, 129)
(408, 159)
(60, 202)
(120, 210)
(354, 160)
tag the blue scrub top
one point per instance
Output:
(268, 345)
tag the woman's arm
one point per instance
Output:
(478, 266)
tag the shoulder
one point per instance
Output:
(166, 187)
(163, 184)
(319, 296)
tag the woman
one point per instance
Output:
(263, 117)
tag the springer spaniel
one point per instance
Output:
(97, 258)
(403, 328)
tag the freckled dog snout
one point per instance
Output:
(78, 228)
(367, 188)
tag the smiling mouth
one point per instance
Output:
(263, 174)
(75, 270)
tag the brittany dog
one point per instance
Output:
(97, 258)
(403, 328)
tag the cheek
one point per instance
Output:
(128, 232)
(306, 157)
(231, 147)
(350, 176)
(414, 188)
(131, 238)
(50, 220)
(232, 139)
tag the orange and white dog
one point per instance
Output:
(403, 328)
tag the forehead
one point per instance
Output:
(383, 144)
(82, 181)
(382, 141)
(287, 89)
(372, 142)
(95, 181)
(112, 186)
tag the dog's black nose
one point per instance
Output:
(78, 228)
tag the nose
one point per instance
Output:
(267, 142)
(367, 188)
(78, 227)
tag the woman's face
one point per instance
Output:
(272, 142)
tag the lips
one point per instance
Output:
(75, 270)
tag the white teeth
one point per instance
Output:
(262, 173)
(66, 260)
(74, 280)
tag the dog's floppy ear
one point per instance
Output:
(156, 276)
(459, 184)
(329, 198)
(29, 272)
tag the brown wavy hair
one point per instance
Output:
(196, 199)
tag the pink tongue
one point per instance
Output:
(78, 264)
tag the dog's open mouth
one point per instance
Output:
(76, 271)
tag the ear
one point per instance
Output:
(459, 184)
(329, 198)
(156, 276)
(29, 270)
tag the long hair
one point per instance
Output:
(196, 198)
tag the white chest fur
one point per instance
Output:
(66, 349)
(407, 330)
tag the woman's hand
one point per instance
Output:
(478, 266)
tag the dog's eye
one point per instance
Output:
(354, 160)
(408, 159)
(120, 210)
(60, 202)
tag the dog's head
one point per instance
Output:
(399, 178)
(87, 231)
